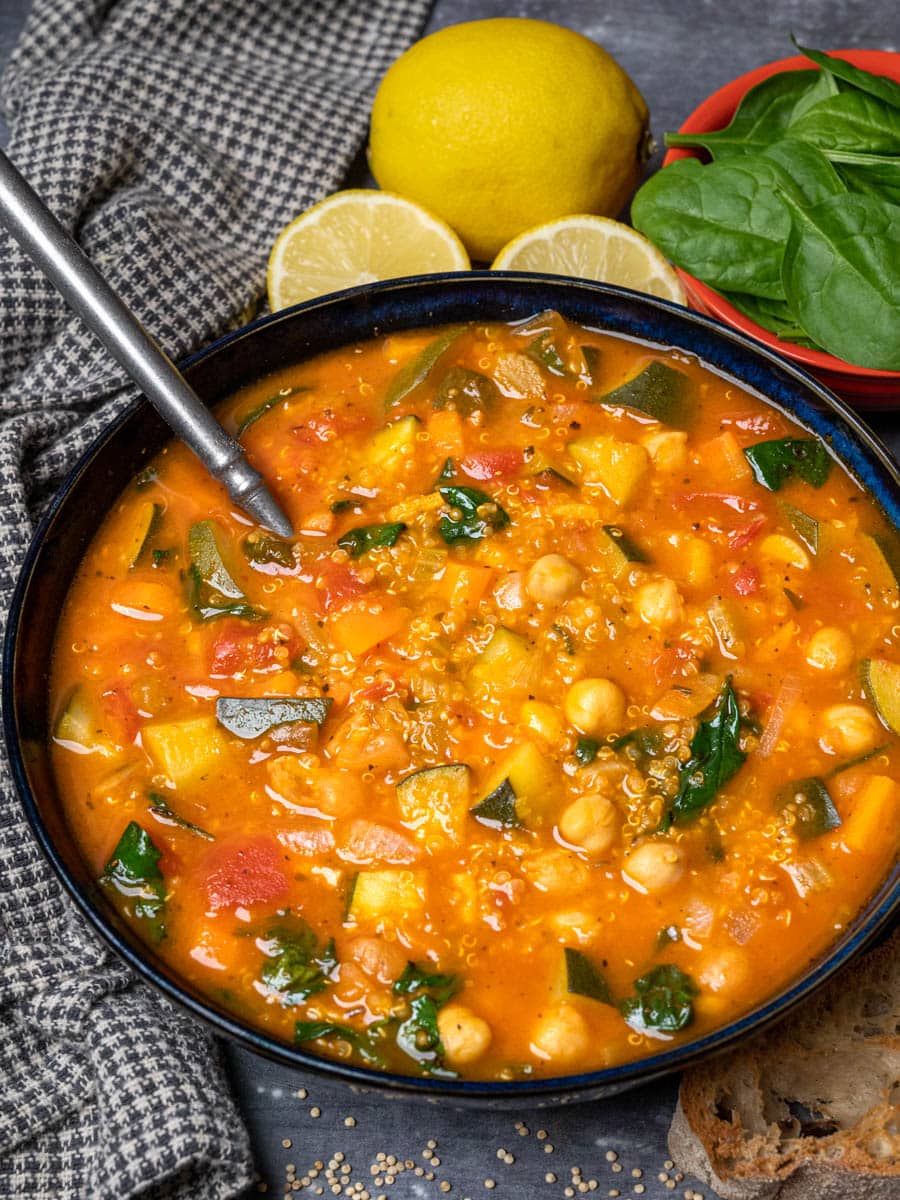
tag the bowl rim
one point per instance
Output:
(714, 113)
(878, 911)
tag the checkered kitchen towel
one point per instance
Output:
(174, 138)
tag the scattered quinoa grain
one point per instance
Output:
(671, 1185)
(549, 1177)
(287, 1143)
(636, 1172)
(617, 1166)
(668, 1164)
(350, 1122)
(548, 1148)
(569, 1191)
(444, 1186)
(301, 1093)
(639, 1189)
(490, 1184)
(541, 1135)
(611, 1156)
(315, 1112)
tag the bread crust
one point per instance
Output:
(811, 1109)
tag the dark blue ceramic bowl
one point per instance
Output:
(291, 336)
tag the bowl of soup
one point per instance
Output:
(556, 750)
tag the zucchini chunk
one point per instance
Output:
(414, 373)
(583, 978)
(506, 663)
(466, 391)
(810, 804)
(619, 550)
(145, 527)
(519, 792)
(805, 526)
(78, 727)
(389, 895)
(184, 750)
(434, 802)
(617, 467)
(213, 592)
(251, 718)
(387, 445)
(881, 680)
(659, 391)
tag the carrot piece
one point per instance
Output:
(875, 811)
(446, 431)
(725, 458)
(465, 583)
(144, 600)
(361, 627)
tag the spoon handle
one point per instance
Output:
(85, 290)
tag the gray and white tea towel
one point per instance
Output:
(174, 138)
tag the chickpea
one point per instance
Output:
(543, 719)
(658, 603)
(464, 1035)
(654, 866)
(382, 960)
(552, 579)
(561, 1035)
(338, 793)
(556, 872)
(830, 649)
(591, 822)
(595, 706)
(848, 729)
(719, 978)
(784, 551)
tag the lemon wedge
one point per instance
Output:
(354, 237)
(588, 247)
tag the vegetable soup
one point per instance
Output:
(565, 727)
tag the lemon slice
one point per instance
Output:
(587, 247)
(354, 237)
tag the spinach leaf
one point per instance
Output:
(260, 410)
(641, 745)
(811, 806)
(774, 315)
(726, 223)
(263, 548)
(133, 872)
(416, 978)
(583, 978)
(498, 809)
(160, 809)
(213, 592)
(586, 751)
(805, 526)
(716, 756)
(591, 356)
(368, 1043)
(841, 275)
(479, 517)
(296, 967)
(871, 175)
(774, 462)
(564, 636)
(660, 392)
(161, 557)
(417, 370)
(850, 121)
(876, 85)
(806, 172)
(762, 116)
(369, 537)
(467, 391)
(664, 1001)
(419, 1037)
(249, 717)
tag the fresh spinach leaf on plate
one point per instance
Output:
(841, 275)
(881, 86)
(763, 114)
(726, 222)
(850, 121)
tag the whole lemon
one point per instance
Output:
(500, 125)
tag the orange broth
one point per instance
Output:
(614, 614)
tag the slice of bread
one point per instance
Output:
(809, 1110)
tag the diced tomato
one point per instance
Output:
(746, 581)
(238, 648)
(741, 504)
(383, 687)
(742, 537)
(675, 662)
(169, 862)
(327, 425)
(492, 464)
(337, 583)
(246, 874)
(119, 705)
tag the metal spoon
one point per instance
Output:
(86, 291)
